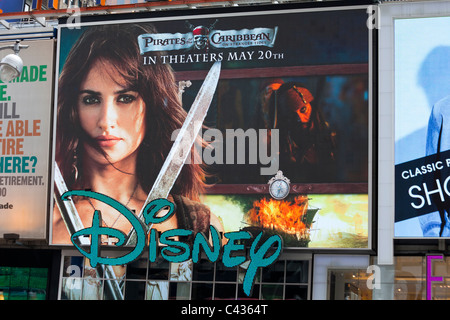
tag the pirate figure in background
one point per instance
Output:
(307, 144)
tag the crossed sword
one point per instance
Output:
(164, 181)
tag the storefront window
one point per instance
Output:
(441, 290)
(409, 281)
(161, 280)
(348, 284)
(406, 280)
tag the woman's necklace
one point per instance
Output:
(119, 214)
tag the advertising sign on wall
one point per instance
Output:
(278, 106)
(238, 127)
(25, 123)
(421, 143)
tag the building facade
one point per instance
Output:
(306, 96)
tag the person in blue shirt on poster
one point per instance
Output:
(438, 141)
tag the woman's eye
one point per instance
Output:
(126, 98)
(89, 100)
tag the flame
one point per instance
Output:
(282, 215)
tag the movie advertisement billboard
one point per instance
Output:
(25, 126)
(421, 146)
(288, 106)
(220, 132)
(282, 146)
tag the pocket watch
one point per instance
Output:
(279, 186)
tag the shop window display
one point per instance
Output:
(348, 284)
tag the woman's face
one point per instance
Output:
(111, 114)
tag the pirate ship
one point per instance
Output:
(291, 219)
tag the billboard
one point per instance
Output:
(421, 147)
(291, 109)
(25, 126)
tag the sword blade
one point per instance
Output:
(67, 208)
(184, 141)
(73, 224)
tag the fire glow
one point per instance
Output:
(281, 215)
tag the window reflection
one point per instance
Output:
(274, 272)
(272, 292)
(179, 291)
(297, 271)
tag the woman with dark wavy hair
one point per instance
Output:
(115, 118)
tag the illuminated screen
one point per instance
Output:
(313, 221)
(292, 103)
(421, 145)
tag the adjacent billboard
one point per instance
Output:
(421, 145)
(291, 108)
(25, 127)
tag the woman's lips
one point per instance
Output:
(107, 141)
